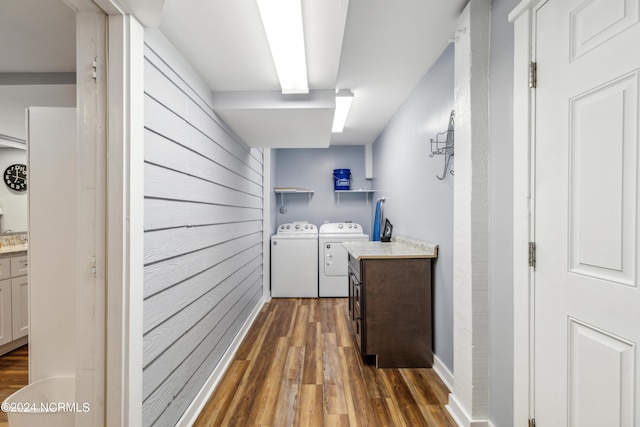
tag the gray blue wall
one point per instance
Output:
(313, 169)
(417, 203)
(203, 234)
(501, 214)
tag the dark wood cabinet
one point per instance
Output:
(390, 310)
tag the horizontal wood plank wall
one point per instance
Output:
(203, 233)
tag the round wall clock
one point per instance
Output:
(15, 176)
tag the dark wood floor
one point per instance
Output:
(14, 374)
(299, 366)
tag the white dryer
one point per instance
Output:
(294, 261)
(333, 259)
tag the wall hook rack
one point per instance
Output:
(444, 145)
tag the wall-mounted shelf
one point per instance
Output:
(290, 190)
(287, 190)
(366, 192)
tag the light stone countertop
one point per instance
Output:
(13, 244)
(399, 247)
(13, 250)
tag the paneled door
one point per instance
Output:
(586, 175)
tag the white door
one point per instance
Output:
(336, 260)
(294, 268)
(53, 235)
(587, 301)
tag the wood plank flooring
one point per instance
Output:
(14, 374)
(299, 366)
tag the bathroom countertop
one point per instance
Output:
(13, 250)
(399, 247)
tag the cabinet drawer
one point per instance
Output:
(357, 329)
(354, 266)
(19, 266)
(5, 268)
(354, 281)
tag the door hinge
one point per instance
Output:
(533, 75)
(95, 68)
(532, 422)
(532, 254)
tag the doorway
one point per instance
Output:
(39, 70)
(89, 22)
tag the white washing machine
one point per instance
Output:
(294, 261)
(333, 259)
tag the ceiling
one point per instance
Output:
(37, 36)
(380, 49)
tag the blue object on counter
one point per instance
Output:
(376, 223)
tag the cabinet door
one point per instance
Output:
(6, 333)
(355, 307)
(352, 289)
(20, 306)
(5, 268)
(19, 266)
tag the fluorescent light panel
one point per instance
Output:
(282, 20)
(344, 97)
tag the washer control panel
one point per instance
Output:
(298, 227)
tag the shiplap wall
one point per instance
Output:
(203, 233)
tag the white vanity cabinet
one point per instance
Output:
(19, 297)
(14, 302)
(6, 321)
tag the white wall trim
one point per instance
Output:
(266, 222)
(10, 141)
(469, 398)
(461, 417)
(149, 12)
(91, 223)
(523, 7)
(125, 221)
(443, 372)
(523, 405)
(80, 6)
(191, 414)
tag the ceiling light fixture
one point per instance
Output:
(282, 22)
(344, 97)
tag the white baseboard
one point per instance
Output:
(461, 416)
(443, 372)
(192, 412)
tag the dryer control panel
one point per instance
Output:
(341, 228)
